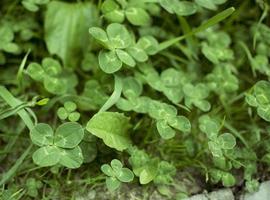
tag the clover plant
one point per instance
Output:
(117, 174)
(68, 112)
(59, 147)
(157, 94)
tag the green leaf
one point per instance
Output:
(66, 26)
(116, 165)
(125, 175)
(30, 6)
(185, 8)
(70, 106)
(209, 4)
(99, 34)
(118, 35)
(106, 169)
(148, 174)
(55, 85)
(71, 158)
(131, 88)
(117, 16)
(112, 183)
(227, 141)
(137, 53)
(180, 123)
(109, 62)
(42, 134)
(125, 58)
(112, 128)
(47, 156)
(228, 179)
(35, 71)
(51, 66)
(149, 44)
(138, 16)
(165, 131)
(215, 149)
(182, 8)
(73, 117)
(62, 113)
(68, 135)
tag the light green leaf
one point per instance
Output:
(227, 141)
(131, 88)
(209, 4)
(71, 158)
(138, 16)
(116, 165)
(109, 62)
(66, 29)
(149, 44)
(125, 175)
(125, 58)
(51, 66)
(180, 123)
(117, 16)
(46, 156)
(35, 71)
(137, 53)
(215, 149)
(228, 179)
(185, 8)
(148, 174)
(62, 113)
(73, 117)
(118, 35)
(112, 128)
(106, 169)
(99, 34)
(42, 134)
(70, 106)
(68, 135)
(165, 131)
(55, 85)
(112, 183)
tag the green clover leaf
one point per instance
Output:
(210, 4)
(116, 174)
(68, 135)
(195, 95)
(259, 97)
(68, 112)
(226, 141)
(182, 8)
(135, 13)
(138, 16)
(42, 134)
(59, 148)
(51, 74)
(112, 128)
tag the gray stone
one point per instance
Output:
(224, 194)
(262, 194)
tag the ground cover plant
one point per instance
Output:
(97, 95)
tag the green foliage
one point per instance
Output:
(177, 90)
(60, 147)
(51, 74)
(120, 47)
(63, 23)
(112, 128)
(68, 112)
(117, 174)
(259, 97)
(33, 5)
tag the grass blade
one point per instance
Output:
(210, 22)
